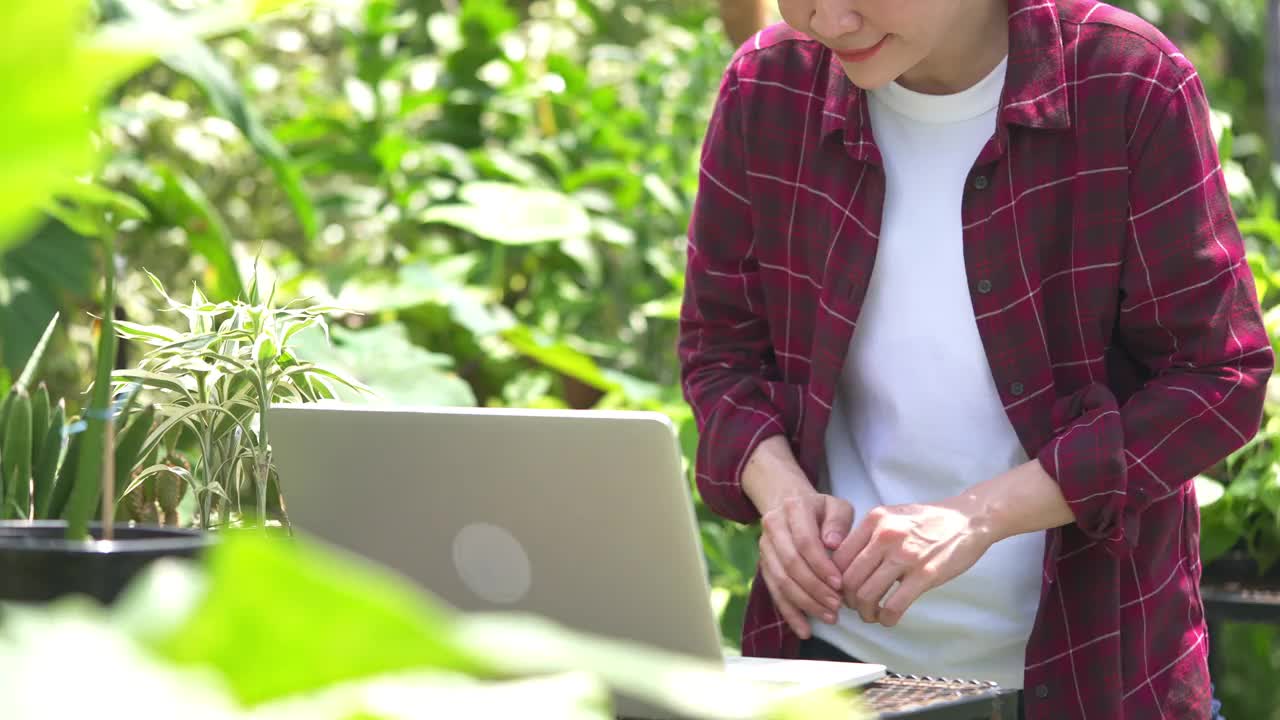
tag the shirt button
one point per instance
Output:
(984, 286)
(980, 182)
(1016, 388)
(1042, 691)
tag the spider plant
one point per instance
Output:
(212, 384)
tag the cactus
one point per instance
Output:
(170, 488)
(16, 466)
(141, 504)
(41, 412)
(45, 471)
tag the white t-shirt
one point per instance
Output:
(916, 415)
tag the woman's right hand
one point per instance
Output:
(798, 534)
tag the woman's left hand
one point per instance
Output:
(920, 546)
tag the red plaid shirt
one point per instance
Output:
(1109, 284)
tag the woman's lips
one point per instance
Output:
(860, 55)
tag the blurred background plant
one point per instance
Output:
(497, 194)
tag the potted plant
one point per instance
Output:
(51, 544)
(58, 477)
(212, 384)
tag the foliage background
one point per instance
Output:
(500, 190)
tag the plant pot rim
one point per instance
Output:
(47, 536)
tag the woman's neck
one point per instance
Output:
(977, 44)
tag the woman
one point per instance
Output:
(966, 311)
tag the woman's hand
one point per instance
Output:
(919, 546)
(798, 535)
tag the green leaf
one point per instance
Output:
(129, 446)
(16, 460)
(33, 363)
(176, 200)
(151, 334)
(88, 483)
(352, 620)
(513, 215)
(40, 412)
(45, 475)
(265, 350)
(65, 480)
(559, 357)
(172, 418)
(153, 470)
(296, 372)
(346, 621)
(49, 98)
(155, 381)
(92, 201)
(384, 359)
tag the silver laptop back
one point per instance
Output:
(581, 516)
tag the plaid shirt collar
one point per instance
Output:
(1023, 102)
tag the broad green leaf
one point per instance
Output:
(179, 201)
(513, 215)
(383, 359)
(36, 277)
(49, 98)
(53, 79)
(349, 620)
(93, 201)
(345, 621)
(559, 357)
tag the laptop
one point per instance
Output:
(584, 517)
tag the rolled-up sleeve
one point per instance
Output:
(1189, 312)
(728, 375)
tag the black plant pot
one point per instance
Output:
(38, 564)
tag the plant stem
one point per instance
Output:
(109, 480)
(88, 480)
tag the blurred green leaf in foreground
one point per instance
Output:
(273, 628)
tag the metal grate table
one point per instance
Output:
(899, 697)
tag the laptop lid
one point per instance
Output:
(584, 517)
